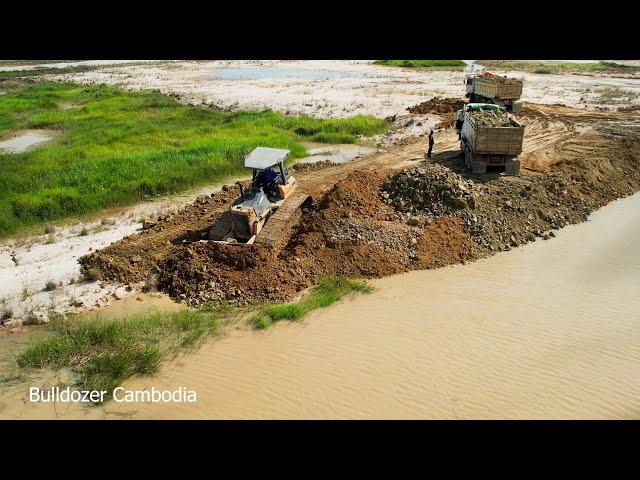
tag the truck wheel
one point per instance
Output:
(512, 167)
(478, 168)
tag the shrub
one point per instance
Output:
(328, 291)
(92, 274)
(7, 313)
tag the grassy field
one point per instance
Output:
(457, 64)
(104, 353)
(34, 72)
(328, 291)
(119, 147)
(547, 67)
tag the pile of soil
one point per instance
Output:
(438, 106)
(310, 166)
(348, 232)
(492, 118)
(430, 188)
(138, 258)
(445, 107)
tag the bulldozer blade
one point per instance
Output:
(222, 227)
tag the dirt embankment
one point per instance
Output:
(139, 257)
(372, 219)
(445, 107)
(349, 232)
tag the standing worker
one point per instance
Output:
(431, 142)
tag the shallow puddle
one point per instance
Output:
(336, 153)
(24, 142)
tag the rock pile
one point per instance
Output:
(383, 234)
(498, 215)
(492, 118)
(430, 189)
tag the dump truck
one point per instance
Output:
(490, 138)
(486, 87)
(266, 210)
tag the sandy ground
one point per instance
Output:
(327, 88)
(28, 263)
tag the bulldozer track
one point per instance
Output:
(276, 231)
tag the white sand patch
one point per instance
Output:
(332, 88)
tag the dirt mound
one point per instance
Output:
(311, 166)
(350, 231)
(445, 107)
(137, 257)
(210, 272)
(438, 106)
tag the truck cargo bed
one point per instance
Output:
(493, 140)
(498, 87)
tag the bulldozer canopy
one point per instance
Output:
(264, 157)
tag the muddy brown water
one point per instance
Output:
(548, 330)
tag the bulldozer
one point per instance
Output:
(262, 202)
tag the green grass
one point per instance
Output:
(104, 353)
(119, 147)
(547, 66)
(422, 63)
(34, 72)
(328, 291)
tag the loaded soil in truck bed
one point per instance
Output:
(491, 118)
(392, 212)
